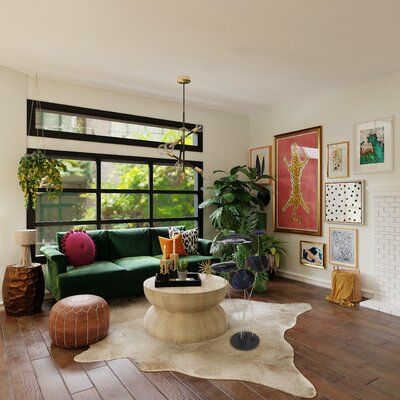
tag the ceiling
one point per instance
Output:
(241, 55)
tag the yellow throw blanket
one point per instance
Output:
(342, 288)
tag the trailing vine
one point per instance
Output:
(36, 169)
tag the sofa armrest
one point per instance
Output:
(56, 261)
(204, 247)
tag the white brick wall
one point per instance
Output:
(386, 254)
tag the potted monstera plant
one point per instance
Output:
(37, 170)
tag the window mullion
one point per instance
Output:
(98, 193)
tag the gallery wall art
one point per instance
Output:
(374, 146)
(312, 254)
(344, 202)
(338, 160)
(261, 158)
(297, 206)
(343, 243)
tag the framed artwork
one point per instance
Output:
(344, 202)
(312, 254)
(297, 206)
(374, 146)
(343, 247)
(261, 158)
(338, 160)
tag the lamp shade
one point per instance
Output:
(25, 237)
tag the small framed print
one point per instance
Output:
(374, 146)
(344, 202)
(338, 160)
(343, 247)
(312, 254)
(261, 158)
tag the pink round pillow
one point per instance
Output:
(79, 248)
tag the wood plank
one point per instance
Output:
(42, 322)
(390, 387)
(268, 393)
(108, 385)
(370, 329)
(24, 383)
(72, 372)
(89, 394)
(136, 383)
(327, 389)
(32, 337)
(318, 369)
(49, 379)
(170, 386)
(363, 392)
(5, 377)
(202, 388)
(374, 354)
(87, 366)
(237, 390)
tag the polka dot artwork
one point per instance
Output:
(344, 202)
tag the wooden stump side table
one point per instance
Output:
(23, 289)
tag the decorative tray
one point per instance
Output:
(163, 280)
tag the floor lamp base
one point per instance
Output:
(245, 341)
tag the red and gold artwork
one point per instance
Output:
(298, 182)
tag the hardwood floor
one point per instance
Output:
(347, 354)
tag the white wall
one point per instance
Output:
(12, 146)
(225, 139)
(337, 112)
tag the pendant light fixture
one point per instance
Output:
(168, 149)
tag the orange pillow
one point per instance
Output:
(169, 245)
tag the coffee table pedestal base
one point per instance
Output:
(186, 327)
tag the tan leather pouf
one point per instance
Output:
(78, 321)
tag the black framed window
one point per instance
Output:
(104, 191)
(78, 123)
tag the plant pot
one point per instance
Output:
(182, 275)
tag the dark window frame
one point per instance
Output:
(32, 107)
(98, 158)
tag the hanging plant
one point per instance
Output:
(36, 169)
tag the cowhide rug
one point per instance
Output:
(270, 364)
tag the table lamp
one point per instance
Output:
(25, 238)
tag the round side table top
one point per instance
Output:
(209, 283)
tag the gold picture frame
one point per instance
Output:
(316, 215)
(309, 262)
(346, 147)
(263, 151)
(343, 248)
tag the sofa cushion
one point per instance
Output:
(139, 269)
(79, 248)
(129, 242)
(89, 278)
(155, 233)
(167, 245)
(134, 263)
(100, 239)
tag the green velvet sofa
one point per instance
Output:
(125, 258)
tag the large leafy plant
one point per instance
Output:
(36, 169)
(236, 198)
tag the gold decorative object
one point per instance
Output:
(206, 268)
(174, 259)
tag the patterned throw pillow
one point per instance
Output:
(190, 238)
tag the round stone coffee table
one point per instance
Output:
(186, 314)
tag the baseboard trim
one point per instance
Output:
(317, 282)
